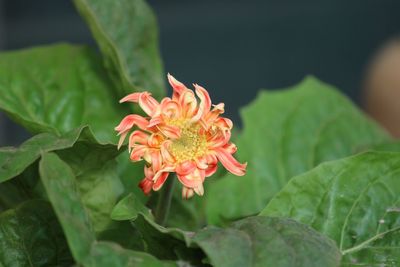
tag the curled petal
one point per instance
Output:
(188, 103)
(211, 170)
(138, 152)
(230, 148)
(148, 172)
(178, 87)
(156, 160)
(134, 97)
(187, 192)
(223, 123)
(155, 140)
(160, 181)
(171, 109)
(146, 185)
(129, 121)
(230, 163)
(137, 137)
(211, 116)
(121, 139)
(148, 103)
(154, 121)
(201, 163)
(193, 179)
(166, 155)
(170, 131)
(211, 159)
(199, 190)
(161, 171)
(220, 138)
(205, 102)
(186, 167)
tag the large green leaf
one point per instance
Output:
(264, 242)
(58, 88)
(93, 165)
(13, 161)
(105, 254)
(126, 32)
(96, 179)
(354, 201)
(31, 236)
(60, 183)
(254, 241)
(287, 133)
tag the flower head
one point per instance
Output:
(183, 134)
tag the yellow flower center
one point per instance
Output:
(191, 144)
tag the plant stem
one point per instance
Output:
(164, 201)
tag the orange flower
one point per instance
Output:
(180, 134)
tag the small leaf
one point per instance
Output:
(128, 208)
(106, 254)
(263, 241)
(354, 201)
(126, 32)
(286, 133)
(58, 88)
(31, 236)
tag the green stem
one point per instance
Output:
(164, 201)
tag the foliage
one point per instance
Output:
(322, 187)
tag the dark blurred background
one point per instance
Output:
(233, 48)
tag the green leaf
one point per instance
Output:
(93, 164)
(354, 201)
(263, 241)
(105, 254)
(31, 236)
(129, 208)
(286, 133)
(167, 243)
(74, 215)
(59, 181)
(131, 173)
(96, 179)
(58, 88)
(126, 32)
(13, 161)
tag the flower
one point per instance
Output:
(182, 134)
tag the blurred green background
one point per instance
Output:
(233, 48)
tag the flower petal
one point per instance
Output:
(188, 102)
(138, 152)
(186, 167)
(148, 103)
(137, 137)
(205, 102)
(211, 170)
(134, 97)
(146, 185)
(178, 87)
(193, 179)
(170, 131)
(129, 121)
(199, 190)
(187, 192)
(219, 139)
(160, 181)
(166, 155)
(121, 139)
(230, 163)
